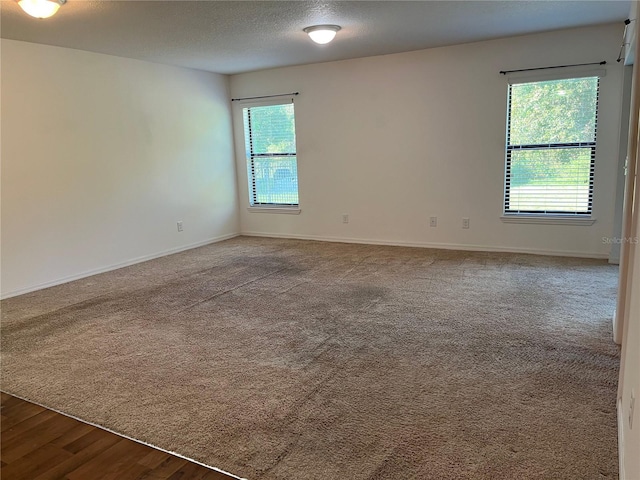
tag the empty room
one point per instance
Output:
(304, 240)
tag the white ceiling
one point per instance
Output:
(240, 36)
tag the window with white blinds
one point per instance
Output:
(551, 147)
(270, 144)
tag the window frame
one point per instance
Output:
(539, 216)
(249, 157)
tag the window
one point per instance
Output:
(551, 147)
(270, 143)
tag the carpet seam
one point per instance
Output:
(219, 294)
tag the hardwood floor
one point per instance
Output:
(39, 444)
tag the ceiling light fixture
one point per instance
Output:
(322, 33)
(41, 8)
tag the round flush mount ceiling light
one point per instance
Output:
(41, 8)
(322, 33)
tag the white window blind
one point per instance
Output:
(551, 147)
(270, 144)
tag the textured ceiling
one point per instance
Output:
(239, 36)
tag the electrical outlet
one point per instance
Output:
(632, 404)
(433, 221)
(180, 226)
(465, 223)
(345, 218)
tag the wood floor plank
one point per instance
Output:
(154, 458)
(165, 469)
(39, 435)
(78, 431)
(18, 425)
(80, 458)
(18, 414)
(190, 471)
(193, 471)
(35, 463)
(127, 472)
(109, 461)
(49, 446)
(87, 440)
(39, 429)
(213, 475)
(9, 401)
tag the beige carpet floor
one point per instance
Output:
(282, 359)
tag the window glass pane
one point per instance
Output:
(550, 180)
(551, 146)
(271, 155)
(558, 111)
(276, 180)
(272, 129)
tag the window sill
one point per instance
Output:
(548, 219)
(285, 210)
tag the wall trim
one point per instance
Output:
(443, 246)
(133, 261)
(617, 333)
(285, 210)
(620, 415)
(321, 238)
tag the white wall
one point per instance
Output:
(630, 433)
(101, 156)
(629, 385)
(392, 140)
(627, 77)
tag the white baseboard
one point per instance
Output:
(108, 268)
(443, 246)
(322, 238)
(617, 335)
(620, 415)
